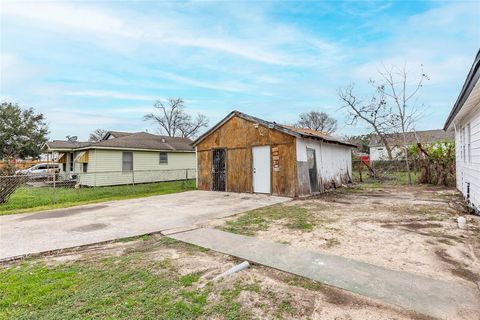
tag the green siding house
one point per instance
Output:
(124, 158)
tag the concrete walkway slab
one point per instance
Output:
(432, 297)
(30, 233)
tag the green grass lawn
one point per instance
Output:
(111, 287)
(32, 199)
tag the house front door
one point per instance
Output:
(219, 169)
(261, 169)
(312, 170)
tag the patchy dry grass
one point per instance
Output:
(292, 217)
(160, 278)
(128, 285)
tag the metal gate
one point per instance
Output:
(218, 169)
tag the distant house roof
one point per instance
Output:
(144, 141)
(127, 141)
(426, 137)
(61, 145)
(297, 132)
(470, 83)
(116, 134)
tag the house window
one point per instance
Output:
(163, 158)
(127, 161)
(463, 146)
(85, 167)
(64, 167)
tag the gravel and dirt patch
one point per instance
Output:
(403, 228)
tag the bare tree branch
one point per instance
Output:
(394, 85)
(319, 121)
(375, 113)
(97, 135)
(174, 121)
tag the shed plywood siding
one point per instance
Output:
(237, 166)
(204, 170)
(284, 180)
(238, 136)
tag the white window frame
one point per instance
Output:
(160, 158)
(124, 163)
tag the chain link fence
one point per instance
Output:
(51, 186)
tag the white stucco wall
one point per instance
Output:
(333, 161)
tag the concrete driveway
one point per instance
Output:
(30, 233)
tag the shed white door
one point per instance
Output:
(261, 169)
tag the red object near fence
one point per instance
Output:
(365, 159)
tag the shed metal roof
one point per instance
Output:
(297, 132)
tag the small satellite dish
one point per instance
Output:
(72, 139)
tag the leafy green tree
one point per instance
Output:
(22, 132)
(436, 162)
(362, 141)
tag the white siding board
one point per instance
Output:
(469, 172)
(105, 168)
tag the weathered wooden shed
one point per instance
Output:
(246, 154)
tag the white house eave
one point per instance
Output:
(471, 104)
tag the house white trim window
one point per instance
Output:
(163, 158)
(127, 161)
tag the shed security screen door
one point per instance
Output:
(218, 169)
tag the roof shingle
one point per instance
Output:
(426, 137)
(144, 140)
(138, 140)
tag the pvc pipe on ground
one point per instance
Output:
(232, 270)
(461, 222)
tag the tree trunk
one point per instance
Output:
(387, 147)
(424, 166)
(406, 158)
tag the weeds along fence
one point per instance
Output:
(52, 187)
(385, 170)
